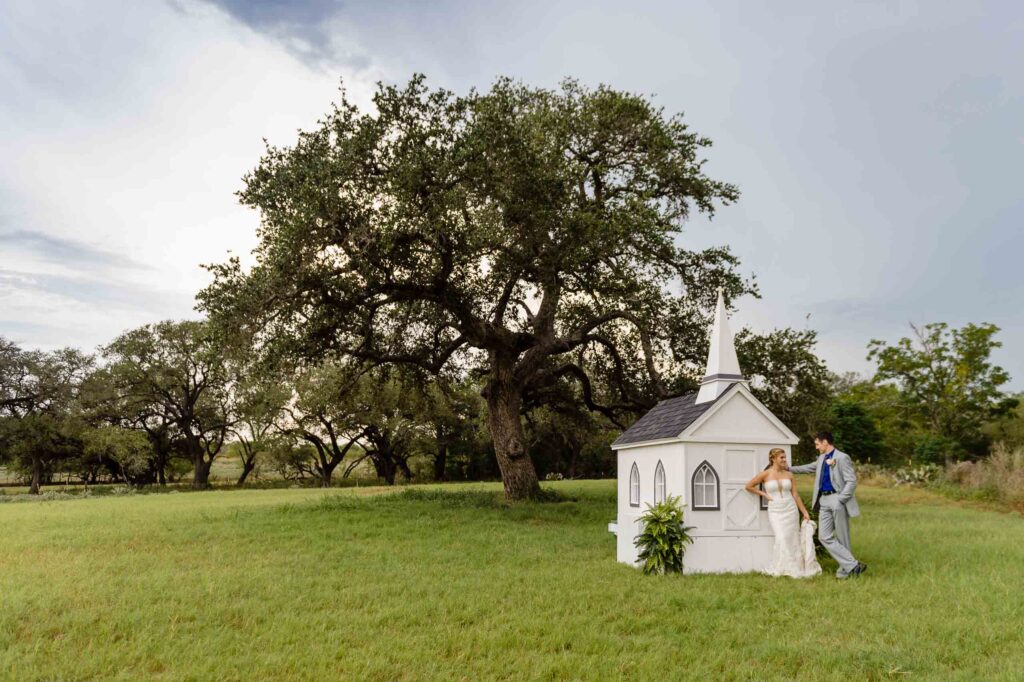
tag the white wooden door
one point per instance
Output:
(741, 509)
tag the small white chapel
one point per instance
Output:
(703, 447)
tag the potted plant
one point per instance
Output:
(663, 540)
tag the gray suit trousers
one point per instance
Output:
(834, 533)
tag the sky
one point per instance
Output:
(878, 146)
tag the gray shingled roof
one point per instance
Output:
(667, 419)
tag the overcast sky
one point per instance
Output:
(879, 147)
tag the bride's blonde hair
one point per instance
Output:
(773, 454)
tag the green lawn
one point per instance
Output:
(307, 584)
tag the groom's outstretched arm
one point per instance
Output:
(804, 468)
(849, 478)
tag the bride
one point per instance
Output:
(794, 547)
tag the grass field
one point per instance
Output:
(448, 583)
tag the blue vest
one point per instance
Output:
(825, 485)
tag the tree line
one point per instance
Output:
(495, 281)
(160, 403)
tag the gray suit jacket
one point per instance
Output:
(844, 480)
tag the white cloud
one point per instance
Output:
(128, 128)
(878, 146)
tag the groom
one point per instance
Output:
(834, 483)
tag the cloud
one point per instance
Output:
(127, 131)
(309, 29)
(58, 250)
(877, 145)
(100, 293)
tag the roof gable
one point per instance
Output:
(668, 419)
(738, 416)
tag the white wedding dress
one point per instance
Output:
(794, 546)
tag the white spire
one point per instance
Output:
(723, 368)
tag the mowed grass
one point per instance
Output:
(446, 582)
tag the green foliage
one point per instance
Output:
(947, 386)
(855, 430)
(1007, 427)
(128, 449)
(527, 235)
(175, 374)
(934, 449)
(663, 540)
(789, 378)
(40, 409)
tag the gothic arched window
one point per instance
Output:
(659, 484)
(705, 487)
(634, 486)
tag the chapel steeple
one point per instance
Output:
(723, 368)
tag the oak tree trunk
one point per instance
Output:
(326, 473)
(37, 475)
(441, 456)
(386, 468)
(201, 471)
(248, 464)
(504, 404)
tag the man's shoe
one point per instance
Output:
(858, 569)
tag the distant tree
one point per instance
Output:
(450, 412)
(947, 383)
(322, 413)
(527, 234)
(571, 442)
(105, 406)
(258, 402)
(392, 423)
(887, 410)
(855, 430)
(14, 378)
(1008, 426)
(176, 370)
(127, 449)
(293, 460)
(39, 396)
(789, 378)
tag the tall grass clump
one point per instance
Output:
(999, 477)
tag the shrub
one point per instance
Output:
(999, 477)
(875, 474)
(922, 474)
(664, 538)
(934, 449)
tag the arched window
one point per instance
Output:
(659, 483)
(634, 486)
(705, 487)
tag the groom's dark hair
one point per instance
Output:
(825, 435)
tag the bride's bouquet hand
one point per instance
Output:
(807, 517)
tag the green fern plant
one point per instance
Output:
(664, 538)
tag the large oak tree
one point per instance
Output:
(527, 234)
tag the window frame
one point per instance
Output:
(634, 476)
(705, 466)
(660, 469)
